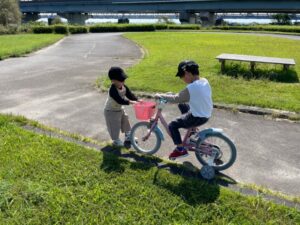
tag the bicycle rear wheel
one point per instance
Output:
(220, 146)
(141, 144)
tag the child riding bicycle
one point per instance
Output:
(199, 108)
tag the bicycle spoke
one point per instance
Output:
(216, 151)
(145, 142)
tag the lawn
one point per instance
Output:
(269, 87)
(45, 180)
(18, 45)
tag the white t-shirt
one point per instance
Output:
(200, 98)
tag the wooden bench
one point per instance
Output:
(253, 60)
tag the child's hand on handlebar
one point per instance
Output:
(157, 96)
(133, 102)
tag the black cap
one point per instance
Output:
(187, 65)
(117, 73)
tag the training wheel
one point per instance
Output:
(207, 172)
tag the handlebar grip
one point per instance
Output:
(163, 100)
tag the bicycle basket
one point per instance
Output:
(144, 110)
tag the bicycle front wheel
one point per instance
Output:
(216, 150)
(143, 141)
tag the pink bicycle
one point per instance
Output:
(213, 149)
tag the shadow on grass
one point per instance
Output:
(111, 161)
(113, 158)
(192, 188)
(264, 73)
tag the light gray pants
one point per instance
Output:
(116, 121)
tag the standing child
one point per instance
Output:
(115, 116)
(199, 108)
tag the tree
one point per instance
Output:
(9, 12)
(282, 19)
(55, 20)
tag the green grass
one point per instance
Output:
(21, 44)
(164, 50)
(48, 181)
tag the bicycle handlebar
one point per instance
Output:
(162, 100)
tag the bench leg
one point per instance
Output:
(252, 66)
(222, 66)
(285, 67)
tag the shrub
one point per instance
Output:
(25, 28)
(121, 27)
(105, 28)
(78, 29)
(60, 29)
(139, 27)
(161, 26)
(184, 27)
(8, 30)
(293, 29)
(42, 29)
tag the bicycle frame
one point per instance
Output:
(205, 147)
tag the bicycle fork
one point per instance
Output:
(154, 128)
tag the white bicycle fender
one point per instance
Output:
(202, 134)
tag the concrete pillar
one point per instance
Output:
(207, 18)
(27, 17)
(187, 17)
(75, 18)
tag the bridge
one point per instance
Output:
(77, 11)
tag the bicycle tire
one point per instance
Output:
(136, 138)
(232, 151)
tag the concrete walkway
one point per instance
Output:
(56, 87)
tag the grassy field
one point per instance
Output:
(18, 45)
(268, 87)
(48, 181)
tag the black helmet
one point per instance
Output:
(187, 65)
(117, 73)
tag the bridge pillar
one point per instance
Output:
(207, 18)
(187, 17)
(75, 18)
(27, 17)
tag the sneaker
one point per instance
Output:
(178, 154)
(117, 143)
(127, 144)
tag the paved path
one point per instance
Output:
(56, 87)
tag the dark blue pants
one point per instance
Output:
(187, 120)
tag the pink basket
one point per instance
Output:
(144, 110)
